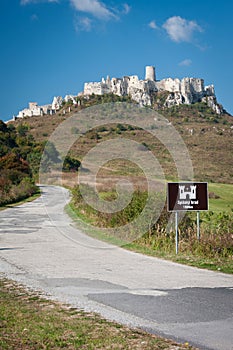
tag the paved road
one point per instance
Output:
(40, 247)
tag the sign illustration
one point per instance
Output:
(191, 193)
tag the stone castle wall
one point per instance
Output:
(184, 91)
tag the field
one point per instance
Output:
(225, 200)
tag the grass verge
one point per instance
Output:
(224, 265)
(30, 322)
(213, 251)
(221, 264)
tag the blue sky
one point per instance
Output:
(51, 47)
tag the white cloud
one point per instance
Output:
(126, 9)
(180, 29)
(83, 24)
(92, 10)
(93, 7)
(187, 62)
(153, 25)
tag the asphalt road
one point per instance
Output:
(40, 247)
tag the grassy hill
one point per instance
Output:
(208, 137)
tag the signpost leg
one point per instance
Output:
(177, 234)
(198, 225)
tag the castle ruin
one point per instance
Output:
(184, 91)
(144, 92)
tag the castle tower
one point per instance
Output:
(150, 73)
(108, 80)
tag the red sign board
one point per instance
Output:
(182, 196)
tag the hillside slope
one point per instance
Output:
(207, 135)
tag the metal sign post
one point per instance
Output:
(177, 233)
(198, 225)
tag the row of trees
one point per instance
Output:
(16, 178)
(20, 161)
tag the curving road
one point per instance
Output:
(40, 247)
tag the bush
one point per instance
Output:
(71, 164)
(26, 188)
(16, 145)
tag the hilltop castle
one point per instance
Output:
(145, 92)
(184, 91)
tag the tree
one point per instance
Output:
(71, 164)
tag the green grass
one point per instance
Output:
(225, 192)
(224, 265)
(31, 322)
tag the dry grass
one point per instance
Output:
(30, 322)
